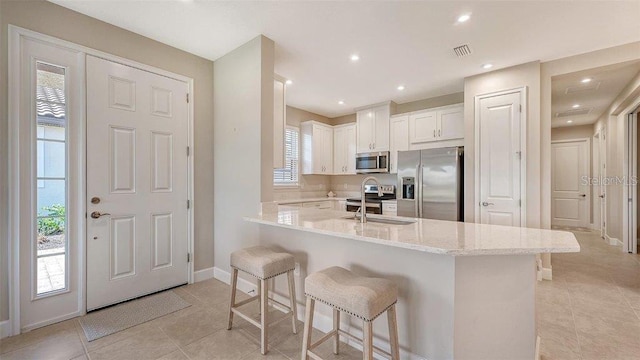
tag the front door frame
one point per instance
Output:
(15, 34)
(523, 150)
(629, 189)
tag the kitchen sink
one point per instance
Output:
(383, 220)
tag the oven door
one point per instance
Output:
(372, 208)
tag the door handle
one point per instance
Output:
(601, 196)
(583, 195)
(97, 214)
(484, 203)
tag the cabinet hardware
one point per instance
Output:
(434, 132)
(439, 132)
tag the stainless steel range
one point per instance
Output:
(373, 201)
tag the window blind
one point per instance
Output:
(288, 175)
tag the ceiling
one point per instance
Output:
(399, 43)
(593, 97)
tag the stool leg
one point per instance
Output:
(264, 311)
(232, 301)
(259, 297)
(393, 333)
(367, 341)
(292, 300)
(336, 327)
(308, 327)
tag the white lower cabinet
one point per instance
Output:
(318, 204)
(340, 205)
(389, 208)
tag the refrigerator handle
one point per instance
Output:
(418, 191)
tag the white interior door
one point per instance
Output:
(137, 168)
(569, 185)
(603, 189)
(595, 194)
(499, 159)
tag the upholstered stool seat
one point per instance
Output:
(363, 297)
(264, 264)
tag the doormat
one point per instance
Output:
(120, 317)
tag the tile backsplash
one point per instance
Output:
(317, 186)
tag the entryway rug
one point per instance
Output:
(120, 317)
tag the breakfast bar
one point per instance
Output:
(466, 290)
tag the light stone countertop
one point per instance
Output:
(305, 200)
(432, 236)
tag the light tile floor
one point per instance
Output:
(589, 311)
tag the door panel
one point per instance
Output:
(365, 128)
(423, 127)
(569, 193)
(451, 124)
(138, 120)
(381, 130)
(500, 159)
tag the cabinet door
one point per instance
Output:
(399, 140)
(317, 150)
(381, 131)
(423, 127)
(350, 149)
(339, 142)
(366, 128)
(451, 123)
(279, 123)
(327, 150)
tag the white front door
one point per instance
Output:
(569, 183)
(500, 159)
(137, 168)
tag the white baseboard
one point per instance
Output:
(612, 241)
(537, 353)
(321, 322)
(204, 274)
(547, 273)
(5, 330)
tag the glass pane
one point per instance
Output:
(51, 273)
(51, 159)
(51, 193)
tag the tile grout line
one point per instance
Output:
(174, 343)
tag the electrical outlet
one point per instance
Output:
(296, 270)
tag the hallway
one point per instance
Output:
(591, 309)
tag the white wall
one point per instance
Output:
(243, 143)
(525, 75)
(572, 132)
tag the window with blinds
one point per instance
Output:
(288, 176)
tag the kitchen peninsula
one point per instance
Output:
(467, 291)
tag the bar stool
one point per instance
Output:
(264, 264)
(362, 297)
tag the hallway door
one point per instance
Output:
(569, 183)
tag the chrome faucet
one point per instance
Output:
(363, 206)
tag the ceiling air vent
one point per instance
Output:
(593, 86)
(573, 112)
(462, 50)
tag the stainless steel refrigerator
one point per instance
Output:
(430, 183)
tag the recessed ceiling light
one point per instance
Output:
(401, 87)
(355, 57)
(288, 82)
(487, 66)
(341, 102)
(586, 80)
(576, 106)
(464, 18)
(569, 121)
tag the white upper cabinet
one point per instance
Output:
(437, 124)
(399, 137)
(373, 128)
(317, 148)
(424, 126)
(451, 123)
(279, 121)
(344, 149)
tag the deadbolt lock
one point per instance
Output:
(95, 200)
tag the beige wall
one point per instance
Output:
(345, 119)
(54, 20)
(525, 75)
(429, 103)
(572, 132)
(295, 116)
(243, 143)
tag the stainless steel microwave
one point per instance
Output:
(374, 162)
